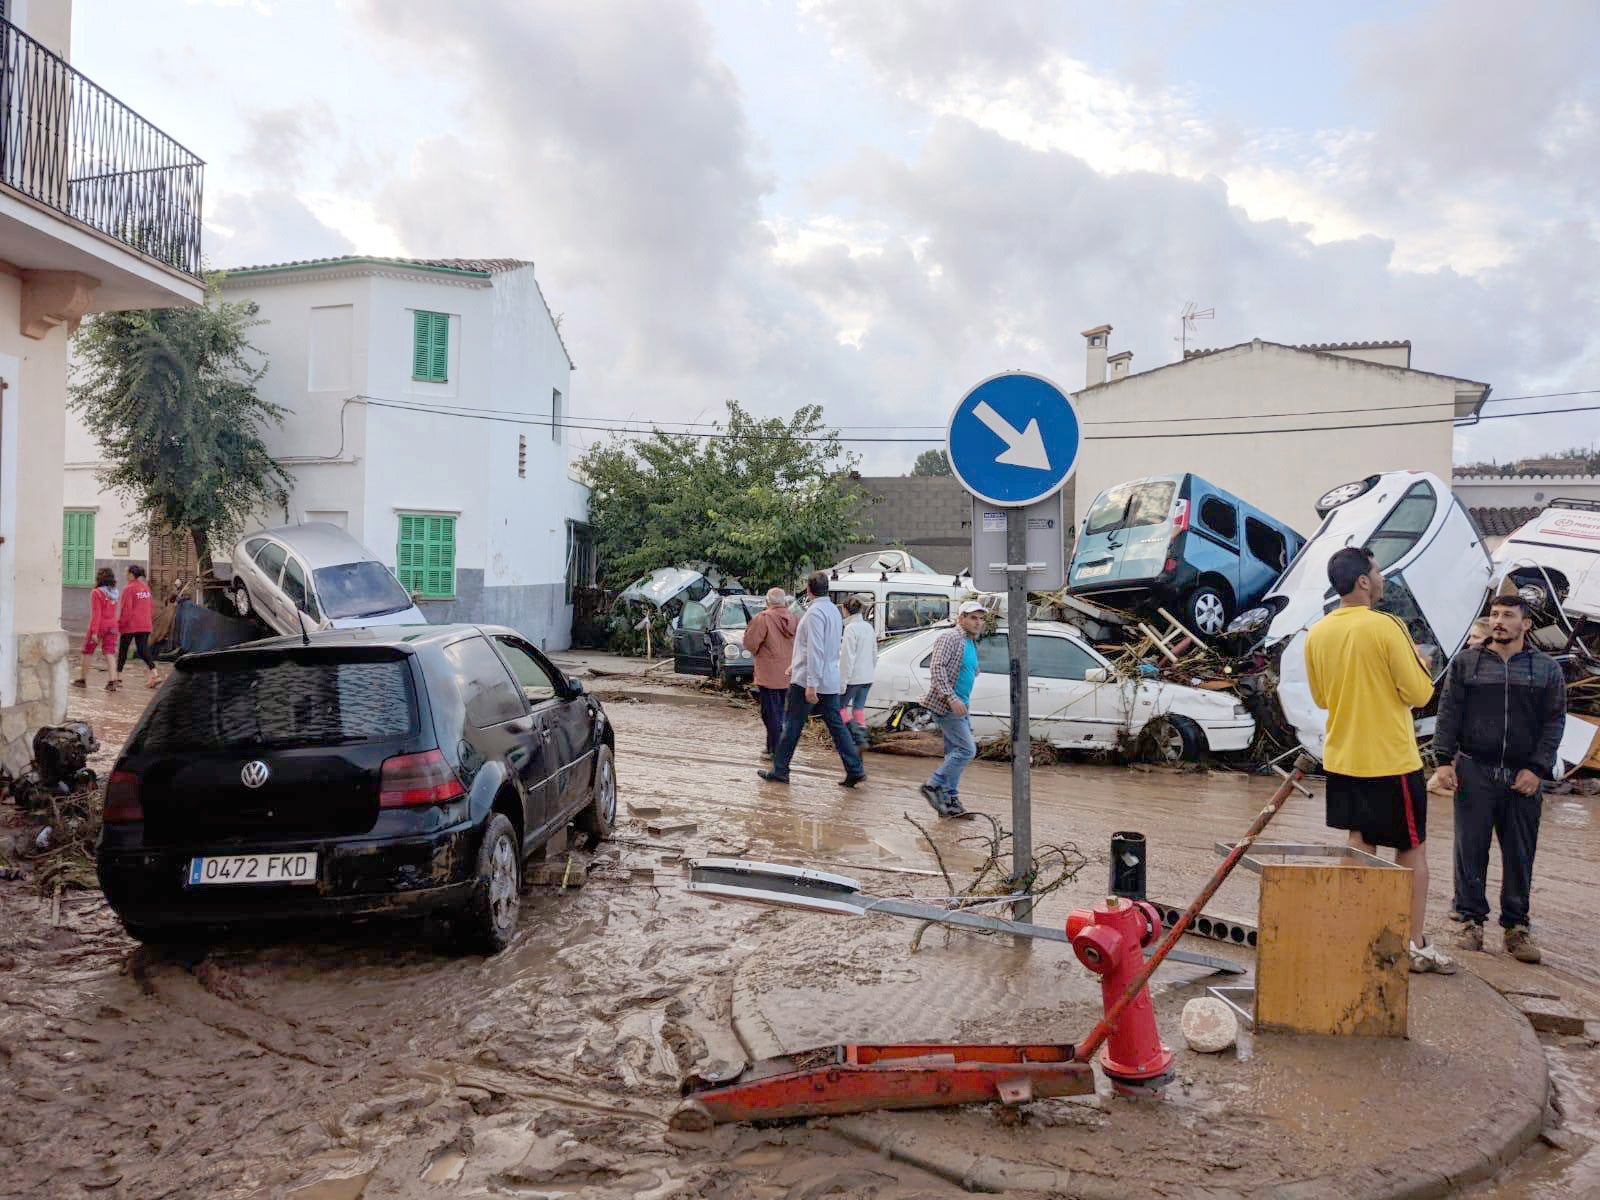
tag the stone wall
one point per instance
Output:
(930, 515)
(42, 666)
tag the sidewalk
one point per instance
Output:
(1280, 1116)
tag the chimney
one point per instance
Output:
(1121, 364)
(1095, 354)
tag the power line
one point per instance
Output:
(528, 419)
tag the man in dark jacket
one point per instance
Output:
(1502, 710)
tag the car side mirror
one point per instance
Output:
(1096, 675)
(574, 689)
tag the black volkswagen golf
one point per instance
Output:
(356, 771)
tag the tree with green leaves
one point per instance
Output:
(762, 498)
(931, 462)
(170, 395)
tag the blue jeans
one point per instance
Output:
(959, 750)
(794, 723)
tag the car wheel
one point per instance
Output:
(491, 916)
(1343, 494)
(913, 718)
(600, 815)
(1174, 739)
(241, 600)
(1208, 611)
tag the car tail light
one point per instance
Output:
(1180, 516)
(1168, 567)
(409, 780)
(122, 797)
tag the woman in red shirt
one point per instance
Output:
(102, 634)
(133, 622)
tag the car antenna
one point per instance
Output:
(305, 638)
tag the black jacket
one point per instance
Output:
(1502, 713)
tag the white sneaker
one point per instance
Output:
(1430, 958)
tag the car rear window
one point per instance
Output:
(281, 702)
(360, 589)
(1128, 506)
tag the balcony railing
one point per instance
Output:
(71, 145)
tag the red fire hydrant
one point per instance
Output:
(1109, 939)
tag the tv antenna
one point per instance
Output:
(1186, 323)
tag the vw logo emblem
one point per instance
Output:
(255, 773)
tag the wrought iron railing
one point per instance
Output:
(68, 143)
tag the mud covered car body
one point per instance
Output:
(1436, 579)
(1076, 701)
(358, 771)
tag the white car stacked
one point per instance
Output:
(316, 576)
(1075, 700)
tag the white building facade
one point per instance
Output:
(1276, 425)
(99, 212)
(426, 402)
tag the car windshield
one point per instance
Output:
(733, 615)
(281, 702)
(1404, 526)
(359, 589)
(1130, 505)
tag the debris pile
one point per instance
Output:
(60, 798)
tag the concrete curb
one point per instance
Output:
(1485, 1147)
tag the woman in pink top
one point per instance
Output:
(134, 619)
(102, 634)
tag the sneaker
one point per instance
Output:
(953, 807)
(1430, 958)
(80, 683)
(934, 795)
(773, 777)
(1521, 946)
(850, 781)
(1470, 936)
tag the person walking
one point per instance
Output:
(858, 662)
(1365, 671)
(134, 613)
(1502, 711)
(952, 670)
(814, 686)
(102, 633)
(770, 639)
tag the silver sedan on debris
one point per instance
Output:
(316, 576)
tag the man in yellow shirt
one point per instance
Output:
(1365, 671)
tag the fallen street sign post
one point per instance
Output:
(1013, 443)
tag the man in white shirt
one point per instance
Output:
(814, 686)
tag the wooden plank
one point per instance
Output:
(1331, 950)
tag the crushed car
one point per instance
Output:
(1180, 543)
(1553, 561)
(708, 638)
(315, 576)
(1078, 699)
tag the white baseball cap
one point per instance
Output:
(970, 606)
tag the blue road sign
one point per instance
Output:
(1014, 439)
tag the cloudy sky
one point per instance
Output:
(874, 205)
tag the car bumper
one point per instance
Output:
(1229, 735)
(149, 885)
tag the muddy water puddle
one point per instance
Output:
(371, 1061)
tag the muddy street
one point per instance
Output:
(371, 1060)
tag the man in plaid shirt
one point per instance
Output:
(952, 671)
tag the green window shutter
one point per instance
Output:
(440, 346)
(77, 549)
(425, 559)
(430, 347)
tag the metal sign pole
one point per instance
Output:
(1021, 743)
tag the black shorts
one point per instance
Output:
(1388, 810)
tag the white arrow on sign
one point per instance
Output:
(1025, 449)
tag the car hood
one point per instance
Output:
(406, 616)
